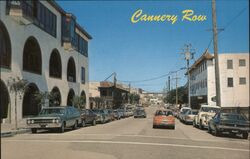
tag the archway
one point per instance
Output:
(71, 95)
(83, 95)
(55, 64)
(31, 106)
(32, 58)
(56, 97)
(4, 100)
(71, 70)
(5, 47)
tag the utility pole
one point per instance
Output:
(215, 40)
(189, 55)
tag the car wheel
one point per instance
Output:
(75, 125)
(33, 130)
(245, 135)
(61, 130)
(173, 127)
(94, 122)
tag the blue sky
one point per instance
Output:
(146, 50)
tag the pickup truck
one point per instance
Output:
(206, 112)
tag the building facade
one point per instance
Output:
(234, 81)
(44, 45)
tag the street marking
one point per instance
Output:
(131, 143)
(149, 136)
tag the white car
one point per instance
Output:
(205, 113)
(182, 112)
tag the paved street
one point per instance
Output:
(125, 139)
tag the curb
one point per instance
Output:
(14, 132)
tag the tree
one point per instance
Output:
(134, 98)
(182, 96)
(79, 102)
(47, 98)
(17, 86)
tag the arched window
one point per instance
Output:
(56, 95)
(4, 100)
(70, 97)
(83, 95)
(31, 106)
(5, 47)
(71, 70)
(32, 58)
(55, 65)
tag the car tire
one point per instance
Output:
(154, 126)
(245, 135)
(173, 127)
(94, 122)
(33, 130)
(62, 128)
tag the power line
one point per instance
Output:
(227, 25)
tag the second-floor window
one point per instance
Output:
(242, 80)
(229, 64)
(230, 82)
(242, 62)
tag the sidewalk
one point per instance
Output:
(8, 130)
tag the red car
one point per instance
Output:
(164, 118)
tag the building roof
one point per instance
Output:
(205, 56)
(62, 11)
(107, 84)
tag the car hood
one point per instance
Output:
(49, 116)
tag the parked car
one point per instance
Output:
(205, 113)
(140, 113)
(111, 114)
(229, 122)
(182, 112)
(88, 117)
(55, 118)
(122, 112)
(117, 114)
(188, 117)
(102, 115)
(164, 118)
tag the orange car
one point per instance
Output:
(164, 118)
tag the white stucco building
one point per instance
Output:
(43, 44)
(234, 80)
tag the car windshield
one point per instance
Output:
(166, 113)
(139, 111)
(184, 111)
(52, 111)
(194, 112)
(210, 109)
(225, 116)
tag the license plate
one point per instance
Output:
(43, 126)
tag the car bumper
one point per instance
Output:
(232, 129)
(45, 126)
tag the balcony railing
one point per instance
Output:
(20, 10)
